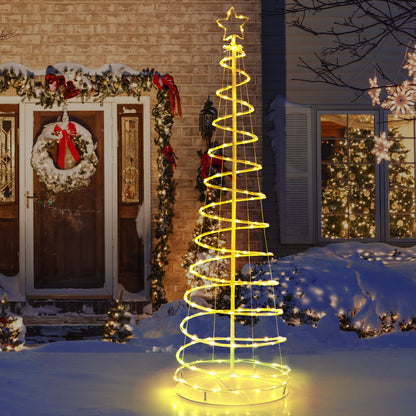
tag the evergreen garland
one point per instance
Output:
(166, 193)
(95, 87)
(213, 194)
(203, 225)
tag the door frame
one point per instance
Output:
(26, 259)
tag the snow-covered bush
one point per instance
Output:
(371, 288)
(12, 330)
(120, 323)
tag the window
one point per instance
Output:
(348, 180)
(401, 174)
(358, 198)
(7, 160)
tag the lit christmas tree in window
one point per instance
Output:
(348, 179)
(348, 202)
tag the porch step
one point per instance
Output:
(62, 306)
(66, 320)
(43, 334)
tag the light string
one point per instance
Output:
(49, 204)
(230, 380)
(269, 265)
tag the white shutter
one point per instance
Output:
(292, 141)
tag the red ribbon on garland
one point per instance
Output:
(207, 162)
(54, 81)
(167, 81)
(66, 140)
(168, 152)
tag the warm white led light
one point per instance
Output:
(233, 380)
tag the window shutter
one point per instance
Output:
(292, 141)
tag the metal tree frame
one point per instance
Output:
(225, 377)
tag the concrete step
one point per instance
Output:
(64, 320)
(43, 334)
(78, 306)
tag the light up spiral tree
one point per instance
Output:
(233, 373)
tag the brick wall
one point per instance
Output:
(180, 38)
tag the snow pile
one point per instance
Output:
(161, 331)
(44, 310)
(369, 287)
(334, 372)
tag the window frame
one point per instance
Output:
(380, 180)
(387, 238)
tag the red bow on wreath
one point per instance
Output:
(168, 152)
(66, 140)
(167, 81)
(207, 162)
(54, 81)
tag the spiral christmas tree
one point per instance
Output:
(217, 365)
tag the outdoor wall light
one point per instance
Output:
(206, 116)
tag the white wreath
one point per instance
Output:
(64, 180)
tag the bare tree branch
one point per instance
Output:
(369, 24)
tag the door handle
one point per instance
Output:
(29, 197)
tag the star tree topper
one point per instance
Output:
(381, 148)
(233, 24)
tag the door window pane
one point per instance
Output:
(130, 159)
(7, 160)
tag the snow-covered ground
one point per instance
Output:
(334, 373)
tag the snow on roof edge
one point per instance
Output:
(115, 68)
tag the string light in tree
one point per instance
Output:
(374, 91)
